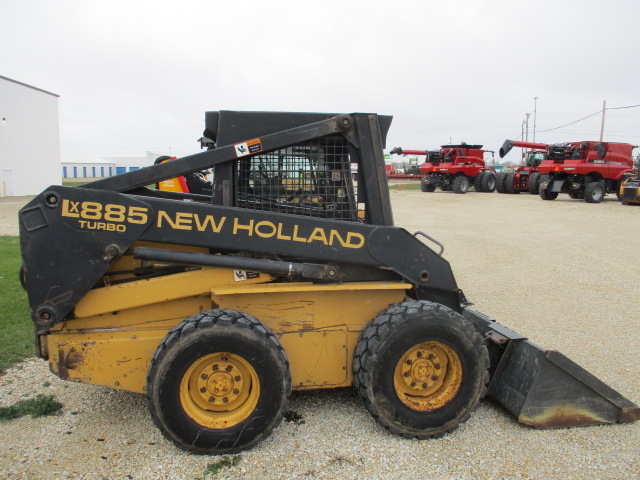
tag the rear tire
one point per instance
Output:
(534, 183)
(420, 369)
(547, 195)
(426, 186)
(594, 192)
(488, 182)
(460, 184)
(218, 383)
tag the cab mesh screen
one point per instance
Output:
(312, 179)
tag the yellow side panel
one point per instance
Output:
(115, 359)
(318, 358)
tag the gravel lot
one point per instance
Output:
(565, 273)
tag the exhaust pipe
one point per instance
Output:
(543, 388)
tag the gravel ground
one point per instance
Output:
(564, 273)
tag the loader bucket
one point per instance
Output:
(544, 388)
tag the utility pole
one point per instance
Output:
(535, 111)
(604, 108)
(526, 125)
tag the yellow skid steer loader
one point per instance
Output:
(289, 275)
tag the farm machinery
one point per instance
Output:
(454, 168)
(629, 192)
(288, 275)
(584, 170)
(525, 178)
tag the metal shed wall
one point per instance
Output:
(29, 139)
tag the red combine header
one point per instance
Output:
(584, 170)
(454, 168)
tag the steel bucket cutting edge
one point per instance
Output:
(543, 388)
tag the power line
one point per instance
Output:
(619, 108)
(588, 116)
(562, 126)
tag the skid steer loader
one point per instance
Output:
(290, 275)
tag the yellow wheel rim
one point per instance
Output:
(428, 376)
(219, 390)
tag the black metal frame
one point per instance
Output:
(357, 250)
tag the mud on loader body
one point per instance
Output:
(290, 276)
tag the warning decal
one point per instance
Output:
(247, 148)
(241, 275)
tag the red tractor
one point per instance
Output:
(584, 170)
(524, 178)
(454, 168)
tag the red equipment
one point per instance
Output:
(524, 178)
(454, 168)
(585, 170)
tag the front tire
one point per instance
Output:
(218, 383)
(488, 182)
(477, 182)
(420, 369)
(500, 181)
(534, 183)
(510, 183)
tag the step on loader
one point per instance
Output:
(290, 275)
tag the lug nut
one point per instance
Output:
(212, 399)
(225, 400)
(419, 354)
(204, 376)
(236, 391)
(409, 361)
(203, 389)
(215, 367)
(229, 368)
(237, 378)
(406, 374)
(424, 385)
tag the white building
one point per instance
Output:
(86, 168)
(29, 139)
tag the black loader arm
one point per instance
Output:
(71, 236)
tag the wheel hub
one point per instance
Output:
(428, 376)
(219, 390)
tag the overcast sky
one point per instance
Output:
(138, 75)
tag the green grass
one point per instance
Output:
(36, 407)
(213, 469)
(16, 328)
